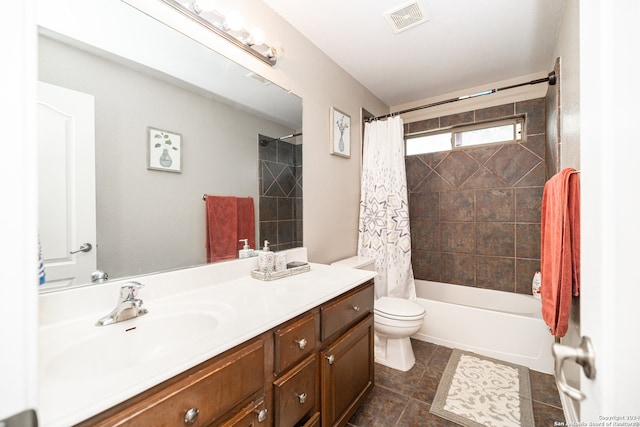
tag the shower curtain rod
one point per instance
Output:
(266, 141)
(551, 78)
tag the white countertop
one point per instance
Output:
(250, 307)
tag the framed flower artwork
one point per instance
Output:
(164, 150)
(340, 133)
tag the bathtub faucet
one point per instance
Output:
(128, 305)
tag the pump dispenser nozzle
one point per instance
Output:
(246, 251)
(266, 259)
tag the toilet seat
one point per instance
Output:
(398, 309)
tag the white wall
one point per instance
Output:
(18, 216)
(568, 50)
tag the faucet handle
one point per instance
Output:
(129, 290)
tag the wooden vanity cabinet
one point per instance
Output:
(346, 373)
(205, 395)
(337, 341)
(347, 360)
(313, 370)
(295, 384)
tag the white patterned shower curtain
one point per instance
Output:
(384, 233)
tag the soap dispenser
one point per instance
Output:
(246, 251)
(266, 259)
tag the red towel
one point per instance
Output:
(229, 219)
(560, 248)
(246, 221)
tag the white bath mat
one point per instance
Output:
(480, 391)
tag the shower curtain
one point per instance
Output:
(384, 233)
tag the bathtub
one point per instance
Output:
(502, 325)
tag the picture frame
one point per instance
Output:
(340, 133)
(164, 150)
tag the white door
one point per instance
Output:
(66, 179)
(610, 174)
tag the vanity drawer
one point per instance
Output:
(295, 393)
(253, 415)
(294, 342)
(213, 391)
(342, 312)
(314, 421)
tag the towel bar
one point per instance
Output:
(204, 196)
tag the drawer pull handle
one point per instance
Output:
(302, 343)
(191, 416)
(302, 397)
(330, 358)
(262, 415)
(356, 308)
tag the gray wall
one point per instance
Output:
(150, 220)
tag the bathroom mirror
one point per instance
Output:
(146, 79)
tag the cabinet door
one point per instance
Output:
(347, 373)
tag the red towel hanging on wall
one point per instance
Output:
(229, 219)
(560, 248)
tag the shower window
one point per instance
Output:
(429, 143)
(503, 131)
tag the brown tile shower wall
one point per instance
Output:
(280, 184)
(475, 212)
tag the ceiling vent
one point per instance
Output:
(406, 16)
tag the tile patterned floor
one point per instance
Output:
(403, 399)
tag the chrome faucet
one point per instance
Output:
(128, 305)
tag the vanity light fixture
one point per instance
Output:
(233, 21)
(229, 27)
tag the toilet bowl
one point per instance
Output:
(395, 320)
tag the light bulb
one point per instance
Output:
(233, 21)
(256, 36)
(206, 5)
(275, 51)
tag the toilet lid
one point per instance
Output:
(399, 308)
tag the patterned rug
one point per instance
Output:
(479, 391)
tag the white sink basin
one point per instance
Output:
(125, 345)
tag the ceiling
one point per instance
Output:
(465, 43)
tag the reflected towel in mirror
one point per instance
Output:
(229, 219)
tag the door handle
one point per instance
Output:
(85, 247)
(583, 355)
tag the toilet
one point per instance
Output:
(395, 320)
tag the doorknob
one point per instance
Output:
(85, 247)
(583, 355)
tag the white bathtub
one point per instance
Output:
(502, 325)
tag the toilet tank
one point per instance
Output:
(359, 262)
